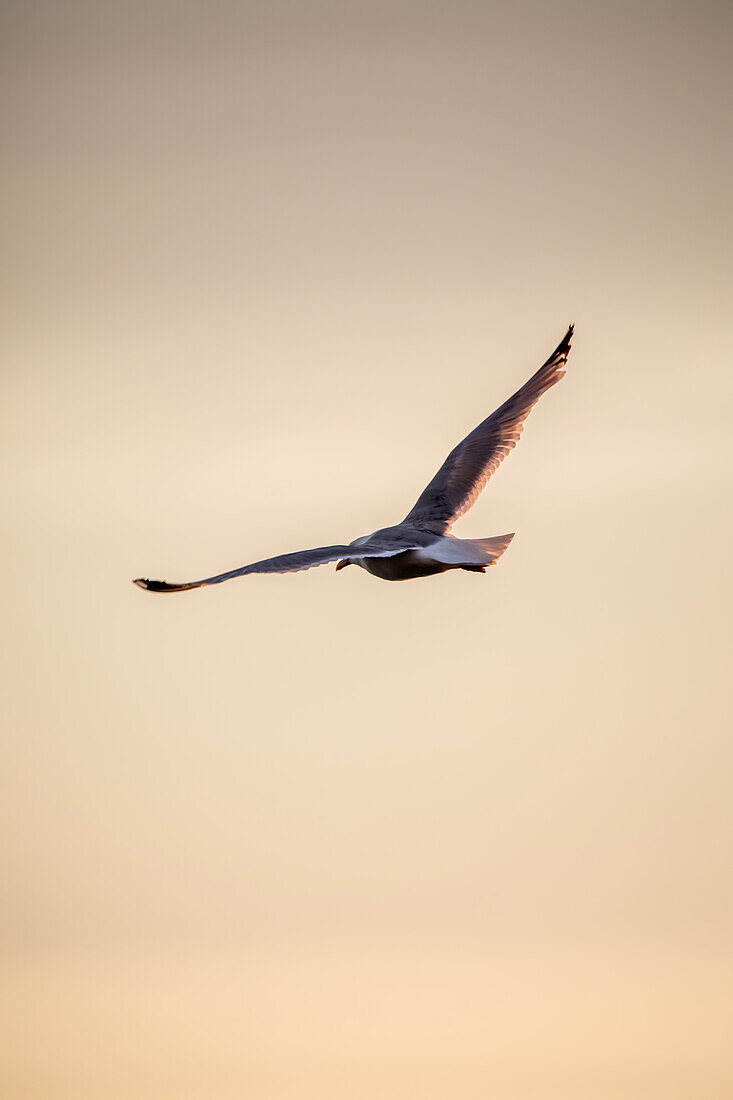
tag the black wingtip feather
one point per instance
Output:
(564, 346)
(161, 586)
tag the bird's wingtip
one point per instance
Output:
(560, 354)
(156, 586)
(163, 586)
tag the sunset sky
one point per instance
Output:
(316, 836)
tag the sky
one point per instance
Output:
(316, 835)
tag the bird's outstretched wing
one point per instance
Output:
(285, 563)
(469, 466)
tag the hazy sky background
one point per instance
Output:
(264, 264)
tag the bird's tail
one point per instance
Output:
(492, 549)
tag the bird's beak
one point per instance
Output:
(341, 564)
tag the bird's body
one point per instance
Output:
(421, 546)
(430, 555)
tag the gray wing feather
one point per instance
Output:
(285, 563)
(469, 466)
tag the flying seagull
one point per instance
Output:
(420, 546)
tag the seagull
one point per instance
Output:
(421, 546)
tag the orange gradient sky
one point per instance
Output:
(264, 264)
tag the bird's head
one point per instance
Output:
(343, 563)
